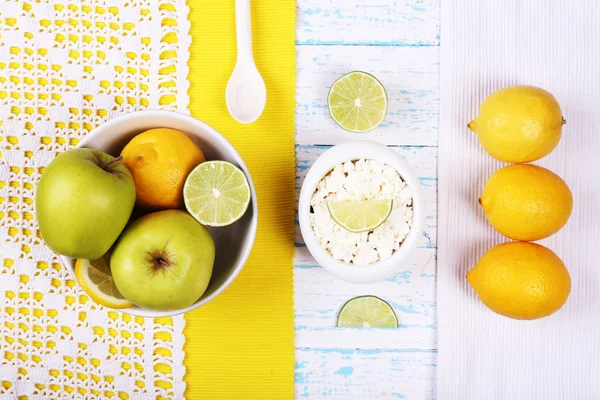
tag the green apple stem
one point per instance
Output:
(159, 260)
(163, 262)
(111, 162)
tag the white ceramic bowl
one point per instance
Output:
(233, 243)
(348, 151)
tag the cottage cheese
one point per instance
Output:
(363, 179)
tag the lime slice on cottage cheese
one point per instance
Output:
(357, 102)
(360, 216)
(367, 312)
(216, 193)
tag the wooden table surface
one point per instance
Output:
(397, 41)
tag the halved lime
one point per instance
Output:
(216, 193)
(367, 312)
(357, 102)
(360, 216)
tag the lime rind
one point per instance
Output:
(367, 312)
(360, 216)
(216, 193)
(360, 117)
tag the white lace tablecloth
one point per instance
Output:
(65, 68)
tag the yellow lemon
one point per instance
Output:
(521, 280)
(160, 160)
(526, 202)
(519, 124)
(96, 280)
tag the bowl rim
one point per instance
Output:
(108, 128)
(354, 150)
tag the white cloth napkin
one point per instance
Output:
(486, 45)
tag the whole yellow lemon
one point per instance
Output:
(519, 124)
(160, 160)
(521, 280)
(526, 202)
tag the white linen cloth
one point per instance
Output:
(486, 45)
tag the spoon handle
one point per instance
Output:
(243, 30)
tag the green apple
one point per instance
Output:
(163, 261)
(83, 202)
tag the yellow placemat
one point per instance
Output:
(240, 345)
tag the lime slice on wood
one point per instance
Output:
(367, 312)
(216, 193)
(357, 102)
(360, 216)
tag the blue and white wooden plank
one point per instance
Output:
(386, 32)
(318, 295)
(376, 22)
(410, 76)
(332, 374)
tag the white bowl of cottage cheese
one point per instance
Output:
(361, 171)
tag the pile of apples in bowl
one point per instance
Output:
(154, 213)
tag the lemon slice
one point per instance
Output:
(216, 193)
(360, 216)
(367, 312)
(357, 102)
(96, 280)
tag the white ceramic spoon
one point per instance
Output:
(246, 93)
